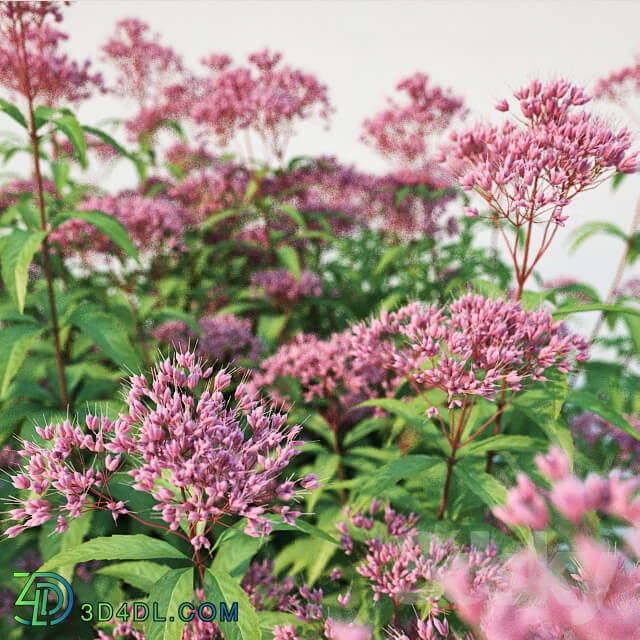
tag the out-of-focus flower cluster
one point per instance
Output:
(593, 429)
(328, 375)
(153, 224)
(38, 69)
(281, 287)
(399, 565)
(223, 339)
(598, 598)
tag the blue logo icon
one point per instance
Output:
(50, 594)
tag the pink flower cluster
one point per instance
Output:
(209, 191)
(281, 287)
(267, 102)
(39, 70)
(472, 347)
(404, 132)
(190, 452)
(619, 85)
(598, 600)
(153, 224)
(223, 338)
(529, 170)
(397, 566)
(328, 374)
(152, 74)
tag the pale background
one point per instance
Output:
(361, 49)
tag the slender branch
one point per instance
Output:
(43, 224)
(635, 225)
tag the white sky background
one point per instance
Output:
(361, 49)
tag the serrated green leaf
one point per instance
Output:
(173, 588)
(235, 555)
(588, 229)
(13, 112)
(18, 250)
(392, 472)
(502, 443)
(117, 547)
(289, 258)
(565, 311)
(221, 587)
(142, 575)
(14, 344)
(110, 226)
(69, 125)
(107, 333)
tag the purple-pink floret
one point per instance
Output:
(189, 450)
(472, 347)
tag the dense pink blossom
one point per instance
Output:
(622, 86)
(400, 566)
(405, 132)
(472, 347)
(267, 102)
(190, 450)
(536, 599)
(329, 376)
(150, 73)
(530, 168)
(223, 338)
(152, 223)
(281, 287)
(46, 75)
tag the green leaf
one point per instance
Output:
(294, 214)
(110, 226)
(173, 588)
(106, 332)
(163, 314)
(488, 489)
(300, 525)
(18, 250)
(269, 327)
(235, 554)
(565, 311)
(213, 220)
(387, 258)
(142, 575)
(14, 344)
(69, 125)
(590, 402)
(392, 472)
(13, 112)
(542, 403)
(105, 137)
(118, 547)
(221, 587)
(502, 443)
(52, 544)
(588, 229)
(289, 258)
